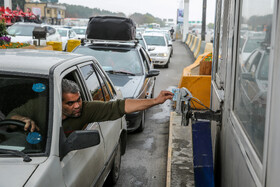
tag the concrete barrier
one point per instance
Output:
(72, 44)
(196, 50)
(191, 40)
(198, 85)
(188, 39)
(57, 46)
(202, 48)
(200, 88)
(195, 44)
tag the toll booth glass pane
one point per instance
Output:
(251, 83)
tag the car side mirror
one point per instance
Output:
(77, 140)
(248, 76)
(169, 45)
(153, 73)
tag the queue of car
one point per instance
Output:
(103, 70)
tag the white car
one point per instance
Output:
(22, 32)
(80, 31)
(158, 48)
(66, 34)
(48, 157)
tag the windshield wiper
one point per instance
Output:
(120, 72)
(25, 157)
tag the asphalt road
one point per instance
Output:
(144, 163)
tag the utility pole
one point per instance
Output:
(203, 20)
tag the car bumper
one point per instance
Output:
(133, 120)
(160, 60)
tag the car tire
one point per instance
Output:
(167, 64)
(65, 48)
(115, 170)
(142, 123)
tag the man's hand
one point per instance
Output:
(133, 105)
(163, 96)
(28, 122)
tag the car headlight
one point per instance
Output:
(162, 54)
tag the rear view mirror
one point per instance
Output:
(78, 140)
(153, 73)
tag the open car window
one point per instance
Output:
(28, 97)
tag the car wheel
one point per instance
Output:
(115, 170)
(167, 64)
(142, 124)
(65, 49)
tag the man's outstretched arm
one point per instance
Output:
(133, 105)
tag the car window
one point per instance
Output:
(111, 89)
(62, 32)
(155, 40)
(127, 60)
(92, 82)
(80, 30)
(72, 34)
(50, 30)
(23, 96)
(104, 87)
(21, 30)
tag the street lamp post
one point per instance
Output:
(203, 20)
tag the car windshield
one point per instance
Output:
(62, 32)
(26, 97)
(115, 59)
(79, 30)
(251, 45)
(21, 30)
(155, 40)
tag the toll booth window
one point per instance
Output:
(92, 82)
(251, 82)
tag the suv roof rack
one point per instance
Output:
(110, 42)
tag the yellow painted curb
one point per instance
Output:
(169, 154)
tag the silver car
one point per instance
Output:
(87, 157)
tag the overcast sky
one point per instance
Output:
(158, 8)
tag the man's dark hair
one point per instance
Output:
(69, 86)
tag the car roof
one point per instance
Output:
(153, 34)
(34, 61)
(114, 44)
(27, 23)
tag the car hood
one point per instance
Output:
(158, 49)
(15, 172)
(129, 85)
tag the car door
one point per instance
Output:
(110, 129)
(84, 167)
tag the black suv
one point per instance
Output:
(129, 67)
